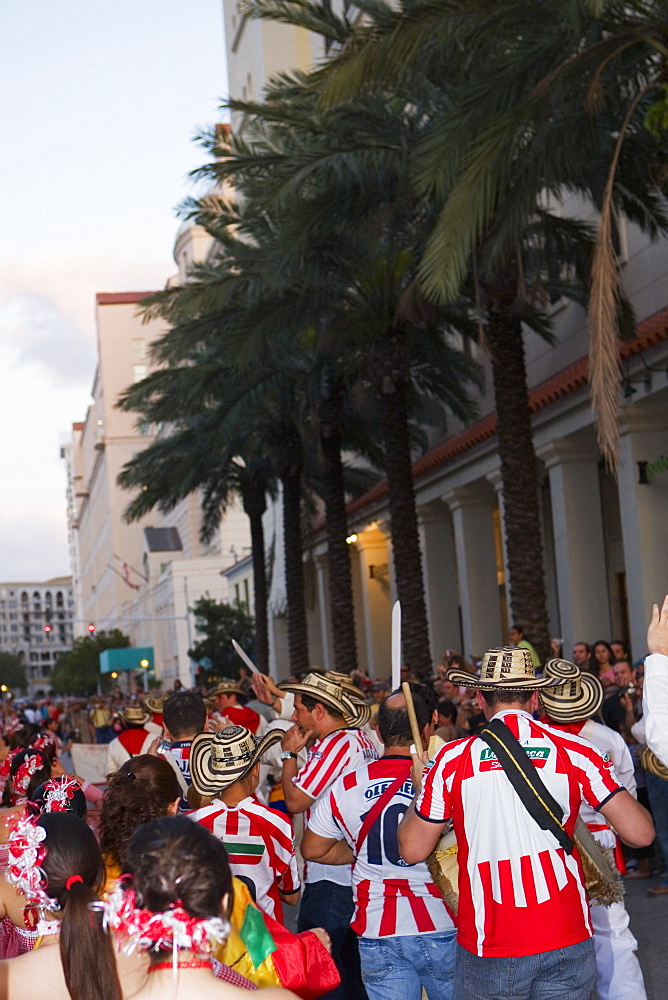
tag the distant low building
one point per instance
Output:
(36, 624)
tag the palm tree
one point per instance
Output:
(194, 457)
(295, 163)
(487, 159)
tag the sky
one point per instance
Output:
(101, 100)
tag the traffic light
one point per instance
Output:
(91, 628)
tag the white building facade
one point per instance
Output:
(36, 625)
(141, 577)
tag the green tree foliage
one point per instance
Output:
(11, 672)
(218, 624)
(78, 671)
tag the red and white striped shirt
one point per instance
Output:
(391, 897)
(260, 847)
(519, 892)
(334, 755)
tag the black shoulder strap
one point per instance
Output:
(526, 781)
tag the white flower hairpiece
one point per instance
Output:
(58, 793)
(26, 851)
(144, 930)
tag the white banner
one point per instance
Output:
(90, 761)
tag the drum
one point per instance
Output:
(444, 869)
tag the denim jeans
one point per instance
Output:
(562, 974)
(657, 790)
(326, 904)
(396, 968)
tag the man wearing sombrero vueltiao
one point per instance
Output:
(570, 708)
(524, 927)
(324, 710)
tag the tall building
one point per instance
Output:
(36, 624)
(143, 577)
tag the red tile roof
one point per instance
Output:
(650, 332)
(120, 298)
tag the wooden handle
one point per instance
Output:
(412, 718)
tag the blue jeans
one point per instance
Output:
(657, 790)
(563, 974)
(396, 968)
(329, 905)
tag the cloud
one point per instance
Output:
(37, 334)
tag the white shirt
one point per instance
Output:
(655, 705)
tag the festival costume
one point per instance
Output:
(655, 705)
(520, 894)
(260, 847)
(129, 743)
(327, 900)
(407, 937)
(619, 976)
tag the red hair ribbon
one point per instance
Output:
(72, 879)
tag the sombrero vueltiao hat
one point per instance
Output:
(578, 697)
(218, 760)
(357, 697)
(506, 667)
(228, 687)
(135, 715)
(329, 693)
(155, 704)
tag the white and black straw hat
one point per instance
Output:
(506, 667)
(578, 696)
(218, 760)
(329, 693)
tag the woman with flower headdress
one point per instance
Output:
(28, 769)
(56, 872)
(176, 910)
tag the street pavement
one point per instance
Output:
(649, 923)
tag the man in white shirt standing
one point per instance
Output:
(570, 708)
(655, 693)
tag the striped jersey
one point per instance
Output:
(391, 896)
(519, 892)
(335, 754)
(260, 847)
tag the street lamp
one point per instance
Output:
(145, 664)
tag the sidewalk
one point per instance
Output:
(649, 923)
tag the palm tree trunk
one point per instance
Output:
(294, 571)
(524, 544)
(404, 526)
(341, 605)
(255, 508)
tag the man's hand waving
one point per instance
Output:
(657, 631)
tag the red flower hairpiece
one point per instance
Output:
(25, 771)
(58, 792)
(144, 930)
(26, 852)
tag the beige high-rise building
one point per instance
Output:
(141, 577)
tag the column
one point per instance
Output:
(644, 515)
(579, 543)
(374, 589)
(322, 583)
(440, 578)
(472, 510)
(495, 479)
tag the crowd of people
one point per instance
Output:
(440, 837)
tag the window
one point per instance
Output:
(139, 372)
(138, 348)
